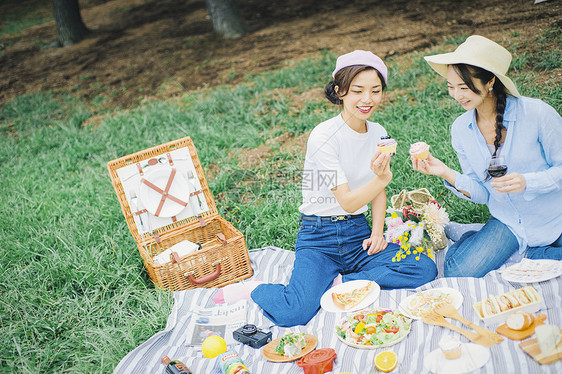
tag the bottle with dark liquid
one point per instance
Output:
(175, 367)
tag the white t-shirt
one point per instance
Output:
(335, 155)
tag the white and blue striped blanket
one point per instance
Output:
(275, 265)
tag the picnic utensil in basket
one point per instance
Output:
(165, 199)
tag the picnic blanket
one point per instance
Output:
(274, 265)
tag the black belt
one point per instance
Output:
(345, 217)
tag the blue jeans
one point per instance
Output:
(323, 250)
(478, 252)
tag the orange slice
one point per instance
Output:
(386, 361)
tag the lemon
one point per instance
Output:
(386, 361)
(213, 346)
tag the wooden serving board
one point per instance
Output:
(521, 334)
(269, 353)
(531, 347)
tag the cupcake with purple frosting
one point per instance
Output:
(387, 145)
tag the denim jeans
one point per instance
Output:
(478, 252)
(323, 250)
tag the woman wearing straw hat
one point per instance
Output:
(526, 202)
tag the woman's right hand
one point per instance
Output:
(380, 165)
(431, 166)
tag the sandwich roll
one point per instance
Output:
(533, 294)
(490, 307)
(519, 320)
(503, 303)
(507, 302)
(527, 295)
(512, 300)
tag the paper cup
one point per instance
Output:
(548, 337)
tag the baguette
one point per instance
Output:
(519, 320)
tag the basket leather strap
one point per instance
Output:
(222, 238)
(164, 193)
(156, 237)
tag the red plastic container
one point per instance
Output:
(319, 361)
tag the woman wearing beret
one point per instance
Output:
(343, 172)
(499, 123)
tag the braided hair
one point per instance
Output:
(467, 73)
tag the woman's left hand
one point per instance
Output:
(510, 183)
(374, 244)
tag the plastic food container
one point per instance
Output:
(319, 361)
(501, 317)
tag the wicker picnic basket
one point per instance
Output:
(223, 256)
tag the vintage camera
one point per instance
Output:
(252, 336)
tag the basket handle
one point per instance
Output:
(207, 278)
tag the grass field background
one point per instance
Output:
(74, 294)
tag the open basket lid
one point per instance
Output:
(162, 188)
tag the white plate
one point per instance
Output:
(456, 296)
(328, 304)
(473, 357)
(363, 346)
(530, 271)
(151, 198)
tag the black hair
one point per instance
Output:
(343, 80)
(467, 73)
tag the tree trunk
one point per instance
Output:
(70, 27)
(226, 18)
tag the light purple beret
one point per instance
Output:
(359, 57)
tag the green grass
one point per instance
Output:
(75, 295)
(32, 13)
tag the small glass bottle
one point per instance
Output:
(175, 367)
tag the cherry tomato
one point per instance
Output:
(371, 329)
(392, 329)
(359, 317)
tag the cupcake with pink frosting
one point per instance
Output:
(387, 145)
(420, 150)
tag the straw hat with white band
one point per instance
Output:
(481, 52)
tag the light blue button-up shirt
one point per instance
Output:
(533, 148)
